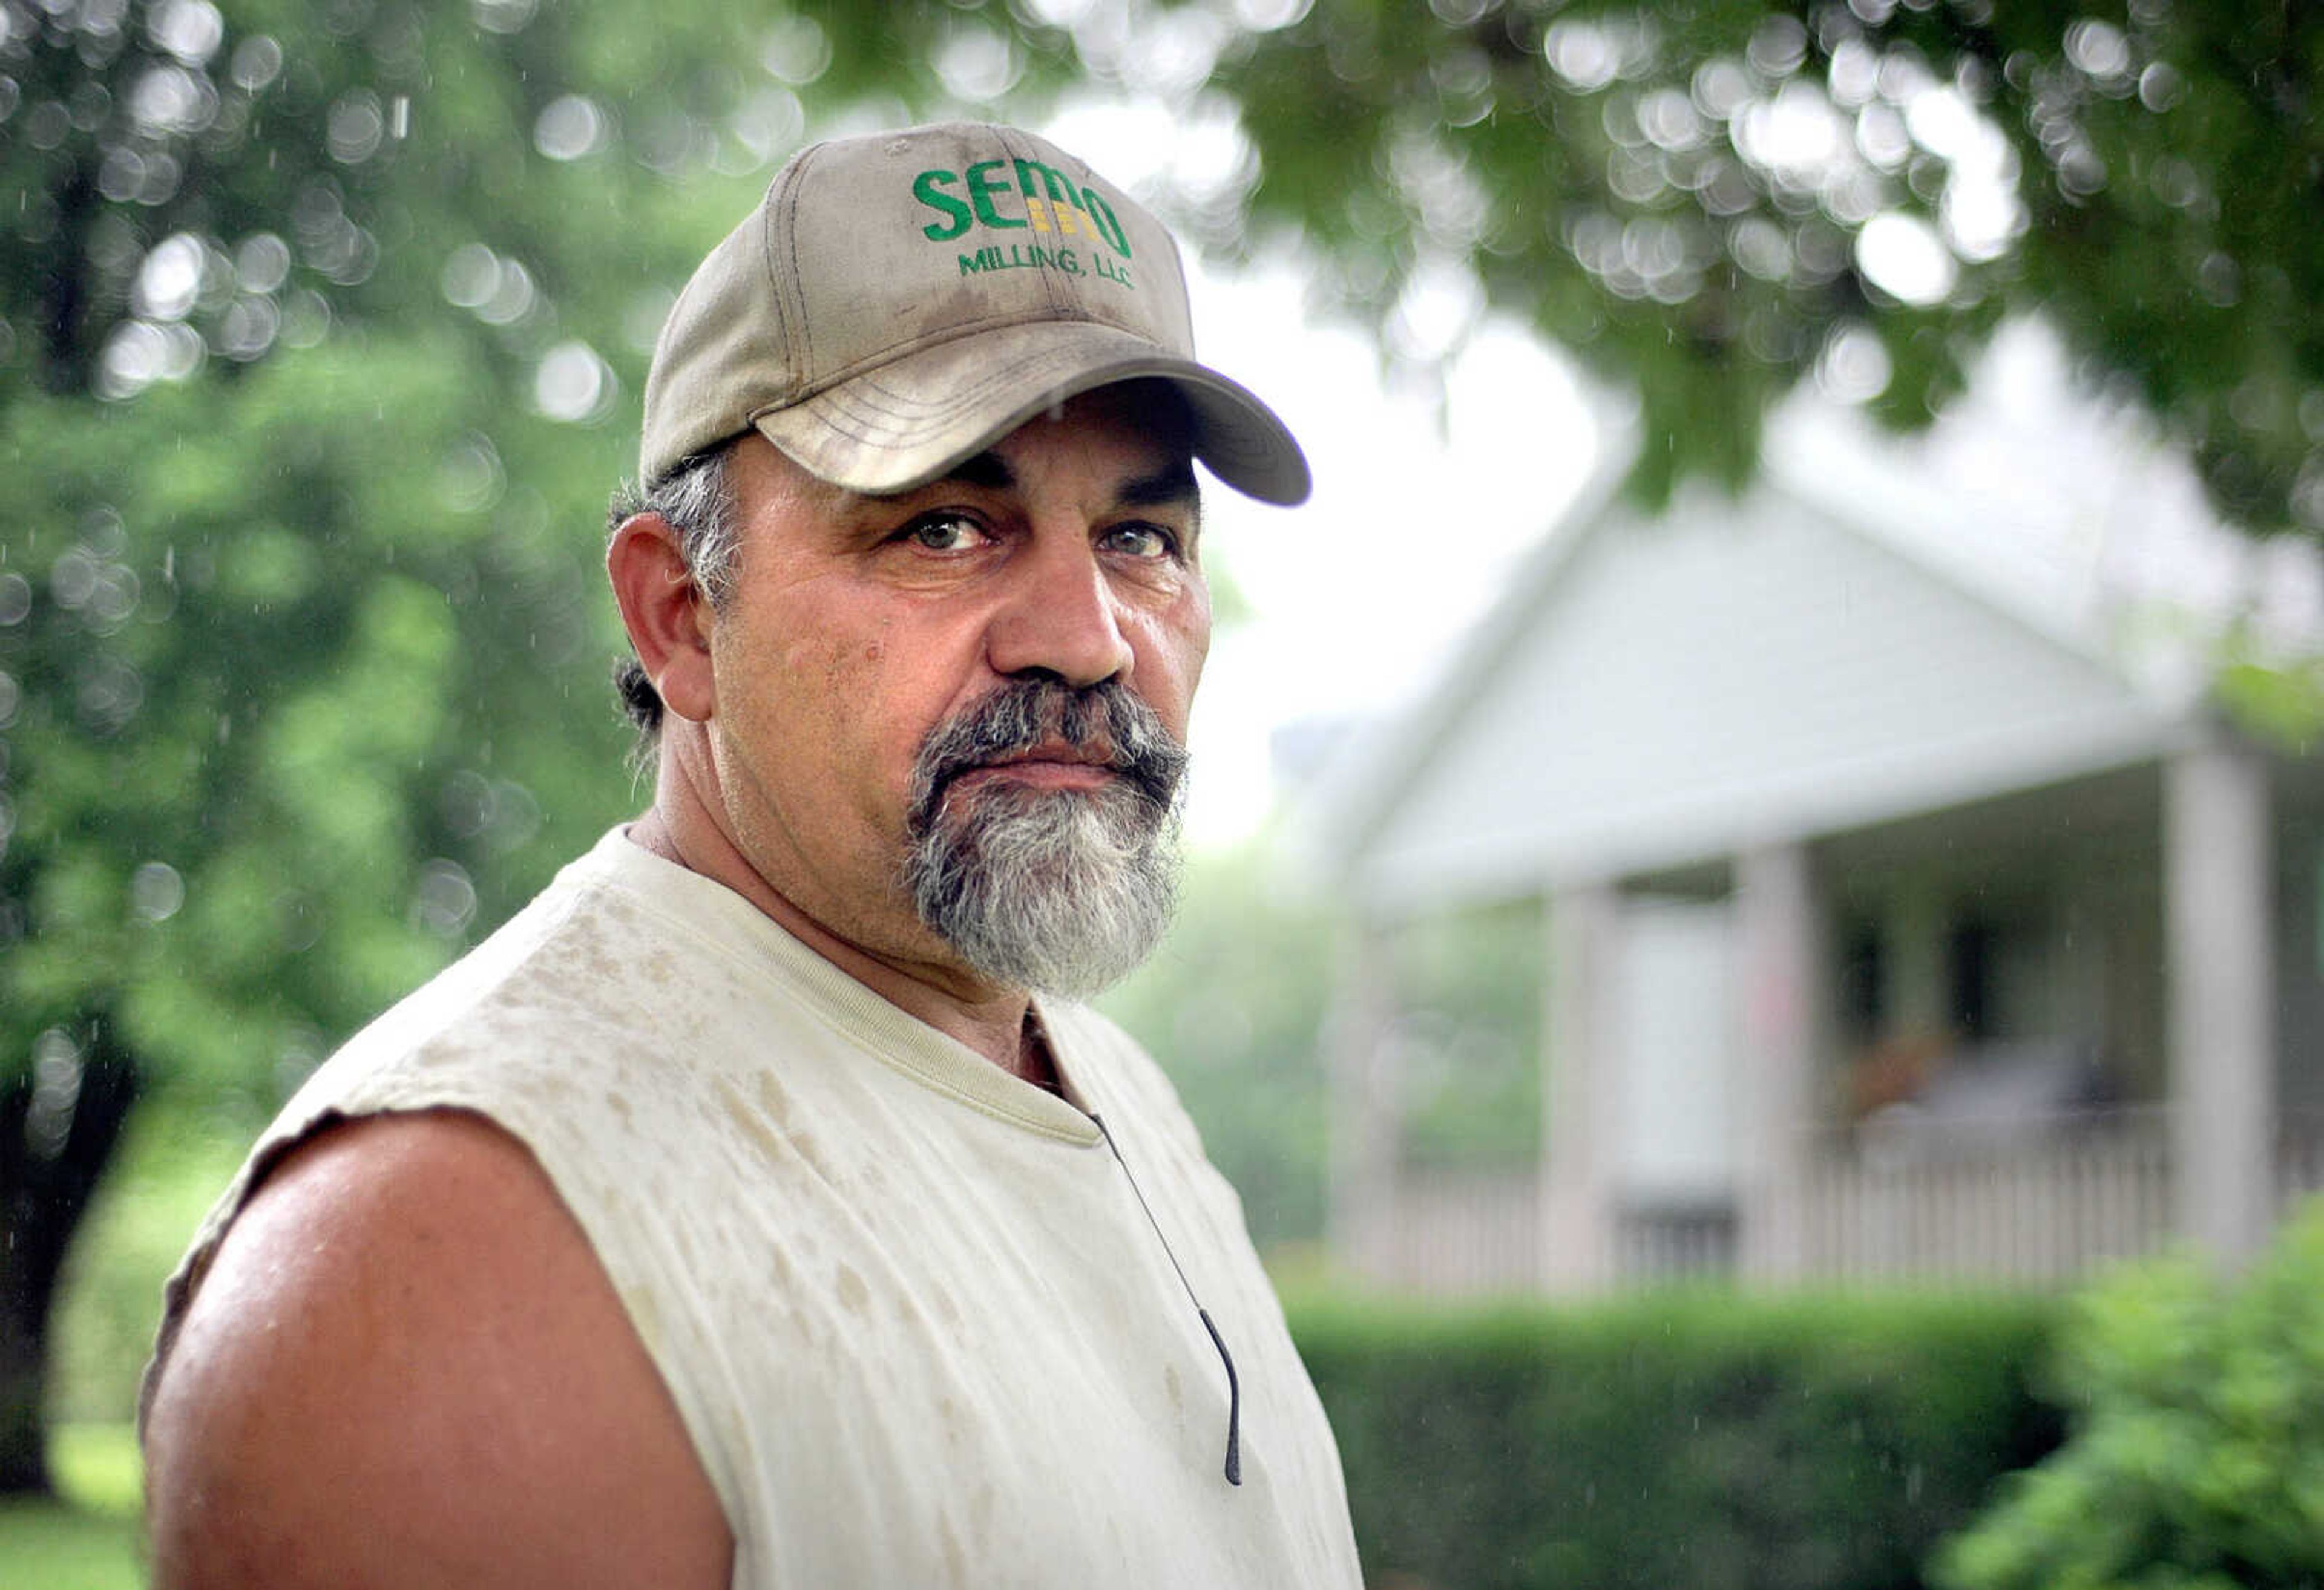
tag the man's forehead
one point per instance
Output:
(1157, 469)
(1154, 467)
(1146, 421)
(1152, 409)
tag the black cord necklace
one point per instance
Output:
(1234, 1387)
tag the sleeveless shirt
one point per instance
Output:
(915, 1316)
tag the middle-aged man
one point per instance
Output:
(757, 1207)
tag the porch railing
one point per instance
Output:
(1457, 1232)
(2037, 1213)
(2041, 1212)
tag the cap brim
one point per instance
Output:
(907, 422)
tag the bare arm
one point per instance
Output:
(407, 1367)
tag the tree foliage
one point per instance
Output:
(1708, 200)
(281, 738)
(302, 702)
(2195, 1458)
(1705, 200)
(317, 322)
(316, 328)
(1467, 1038)
(1234, 1007)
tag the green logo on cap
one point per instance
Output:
(1042, 200)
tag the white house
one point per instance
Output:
(1911, 911)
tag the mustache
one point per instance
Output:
(1024, 713)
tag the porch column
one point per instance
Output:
(2217, 868)
(1777, 957)
(1577, 1206)
(1365, 1119)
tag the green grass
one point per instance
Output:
(55, 1546)
(97, 1469)
(87, 1539)
(90, 1536)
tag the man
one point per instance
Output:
(756, 1208)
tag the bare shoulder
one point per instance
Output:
(407, 1366)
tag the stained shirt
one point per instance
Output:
(918, 1323)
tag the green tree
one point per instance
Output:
(277, 744)
(315, 321)
(1237, 1005)
(1468, 1033)
(314, 326)
(1233, 1007)
(1704, 199)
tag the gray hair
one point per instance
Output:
(1061, 892)
(698, 500)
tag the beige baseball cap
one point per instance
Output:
(900, 301)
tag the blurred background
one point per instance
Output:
(1754, 939)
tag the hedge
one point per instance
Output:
(1676, 1440)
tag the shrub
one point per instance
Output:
(2196, 1460)
(1675, 1441)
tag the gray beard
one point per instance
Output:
(1059, 892)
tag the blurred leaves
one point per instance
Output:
(1233, 1005)
(1706, 201)
(2281, 703)
(2196, 1456)
(1712, 200)
(231, 777)
(190, 183)
(1466, 1037)
(320, 333)
(1238, 1003)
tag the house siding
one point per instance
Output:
(1733, 674)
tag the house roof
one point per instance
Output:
(1859, 637)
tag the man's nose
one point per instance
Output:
(1061, 614)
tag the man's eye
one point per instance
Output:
(1140, 541)
(944, 532)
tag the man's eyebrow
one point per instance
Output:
(987, 469)
(1174, 482)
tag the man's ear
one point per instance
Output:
(666, 612)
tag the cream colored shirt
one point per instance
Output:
(916, 1321)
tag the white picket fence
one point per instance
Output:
(2039, 1213)
(1460, 1233)
(2036, 1214)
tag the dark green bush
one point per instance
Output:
(2196, 1460)
(1675, 1441)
